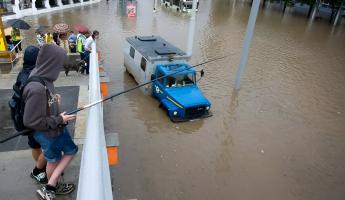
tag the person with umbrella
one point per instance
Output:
(17, 24)
(16, 39)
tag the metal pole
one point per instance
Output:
(316, 7)
(154, 6)
(191, 29)
(247, 41)
(338, 14)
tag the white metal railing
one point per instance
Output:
(18, 12)
(94, 176)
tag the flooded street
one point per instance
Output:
(282, 136)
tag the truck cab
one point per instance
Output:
(178, 92)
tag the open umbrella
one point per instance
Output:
(42, 29)
(18, 23)
(61, 28)
(81, 28)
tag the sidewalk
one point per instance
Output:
(15, 166)
(15, 180)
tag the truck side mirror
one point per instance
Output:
(153, 77)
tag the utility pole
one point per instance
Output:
(338, 13)
(154, 6)
(247, 41)
(316, 8)
(191, 29)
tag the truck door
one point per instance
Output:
(159, 85)
(142, 70)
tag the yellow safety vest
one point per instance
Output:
(15, 35)
(80, 41)
(48, 39)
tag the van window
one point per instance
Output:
(143, 63)
(132, 52)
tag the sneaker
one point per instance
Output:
(45, 194)
(64, 188)
(40, 178)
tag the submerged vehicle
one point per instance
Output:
(150, 57)
(180, 5)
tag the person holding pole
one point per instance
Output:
(43, 116)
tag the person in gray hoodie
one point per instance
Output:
(42, 114)
(29, 62)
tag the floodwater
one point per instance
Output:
(281, 136)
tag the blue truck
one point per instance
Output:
(149, 58)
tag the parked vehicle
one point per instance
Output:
(180, 5)
(149, 57)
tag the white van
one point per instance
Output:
(143, 53)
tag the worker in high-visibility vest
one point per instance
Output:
(48, 38)
(80, 47)
(16, 39)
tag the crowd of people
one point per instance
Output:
(73, 43)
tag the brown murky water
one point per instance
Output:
(281, 136)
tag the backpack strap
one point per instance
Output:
(35, 79)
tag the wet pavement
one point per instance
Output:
(69, 102)
(280, 137)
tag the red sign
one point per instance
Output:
(131, 10)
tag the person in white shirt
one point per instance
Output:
(87, 49)
(40, 39)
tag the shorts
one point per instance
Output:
(33, 144)
(53, 147)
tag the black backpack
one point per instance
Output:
(17, 104)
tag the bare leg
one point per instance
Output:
(54, 170)
(41, 162)
(50, 168)
(36, 153)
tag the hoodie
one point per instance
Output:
(41, 112)
(30, 57)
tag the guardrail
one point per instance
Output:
(12, 56)
(94, 176)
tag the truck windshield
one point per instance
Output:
(180, 80)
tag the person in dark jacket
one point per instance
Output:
(30, 57)
(42, 115)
